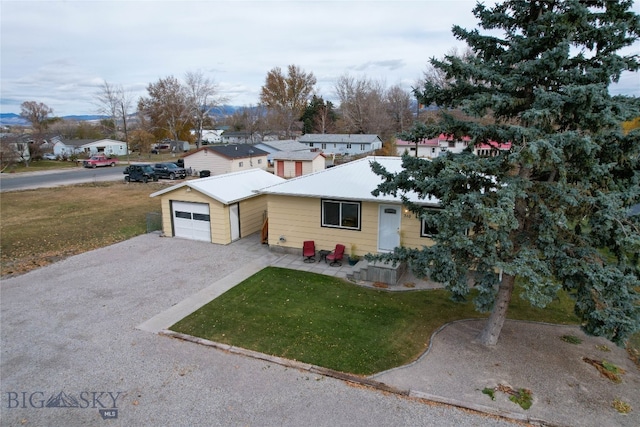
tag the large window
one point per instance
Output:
(340, 214)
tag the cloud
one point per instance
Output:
(59, 52)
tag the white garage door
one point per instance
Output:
(191, 220)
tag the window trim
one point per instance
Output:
(423, 233)
(341, 202)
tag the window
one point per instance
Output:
(363, 147)
(452, 144)
(324, 146)
(259, 161)
(340, 214)
(349, 145)
(311, 144)
(201, 217)
(428, 228)
(240, 164)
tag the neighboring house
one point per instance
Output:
(342, 143)
(491, 149)
(240, 137)
(211, 136)
(179, 146)
(221, 159)
(289, 164)
(109, 147)
(336, 206)
(218, 209)
(14, 148)
(66, 148)
(282, 145)
(432, 148)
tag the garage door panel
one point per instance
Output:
(191, 221)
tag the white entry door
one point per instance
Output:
(191, 220)
(234, 221)
(389, 228)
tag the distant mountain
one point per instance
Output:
(12, 119)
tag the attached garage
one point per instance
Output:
(217, 209)
(191, 220)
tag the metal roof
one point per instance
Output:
(350, 181)
(296, 155)
(339, 138)
(229, 188)
(237, 151)
(284, 145)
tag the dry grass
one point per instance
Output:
(42, 226)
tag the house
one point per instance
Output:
(335, 206)
(211, 136)
(179, 146)
(65, 148)
(434, 147)
(217, 209)
(342, 143)
(289, 164)
(221, 159)
(239, 137)
(109, 147)
(14, 148)
(281, 145)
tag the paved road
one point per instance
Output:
(55, 178)
(69, 338)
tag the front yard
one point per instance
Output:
(335, 324)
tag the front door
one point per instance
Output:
(234, 222)
(388, 228)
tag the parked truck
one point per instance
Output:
(99, 160)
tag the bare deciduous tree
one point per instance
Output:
(363, 105)
(203, 96)
(287, 96)
(115, 102)
(167, 109)
(38, 114)
(399, 108)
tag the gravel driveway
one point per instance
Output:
(69, 340)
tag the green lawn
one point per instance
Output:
(335, 324)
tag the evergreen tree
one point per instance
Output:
(319, 116)
(553, 211)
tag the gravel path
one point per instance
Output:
(69, 332)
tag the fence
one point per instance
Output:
(154, 221)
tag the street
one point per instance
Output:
(58, 177)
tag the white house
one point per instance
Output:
(65, 148)
(212, 136)
(432, 148)
(342, 143)
(107, 146)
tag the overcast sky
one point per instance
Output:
(60, 52)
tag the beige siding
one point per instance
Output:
(220, 231)
(298, 219)
(252, 214)
(248, 163)
(317, 165)
(208, 160)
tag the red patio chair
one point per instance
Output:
(336, 256)
(309, 251)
